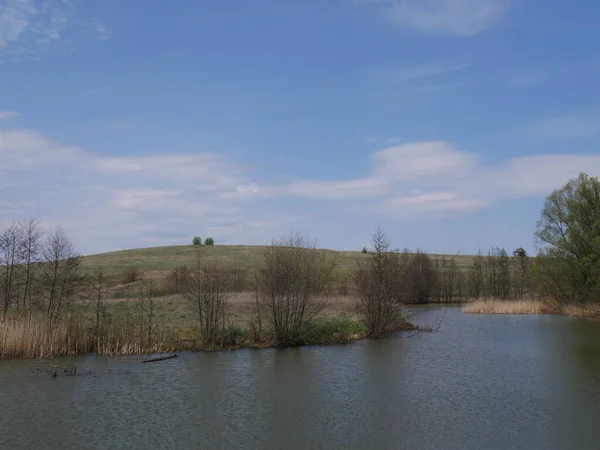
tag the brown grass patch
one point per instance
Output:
(530, 306)
(527, 306)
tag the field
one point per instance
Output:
(161, 260)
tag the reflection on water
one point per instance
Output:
(481, 382)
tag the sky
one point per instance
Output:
(446, 122)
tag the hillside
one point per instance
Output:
(164, 259)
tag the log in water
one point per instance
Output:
(160, 358)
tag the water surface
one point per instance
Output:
(480, 382)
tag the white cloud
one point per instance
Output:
(102, 32)
(433, 179)
(570, 126)
(451, 17)
(122, 202)
(28, 27)
(7, 115)
(111, 203)
(417, 72)
(15, 18)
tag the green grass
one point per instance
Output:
(164, 259)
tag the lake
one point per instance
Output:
(480, 382)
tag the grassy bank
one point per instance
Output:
(529, 306)
(173, 329)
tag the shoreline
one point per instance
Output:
(328, 331)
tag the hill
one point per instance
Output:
(164, 259)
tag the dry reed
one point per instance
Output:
(37, 338)
(529, 306)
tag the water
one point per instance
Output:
(481, 382)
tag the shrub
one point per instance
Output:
(197, 240)
(292, 277)
(380, 290)
(132, 274)
(209, 241)
(364, 250)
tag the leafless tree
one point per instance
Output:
(59, 273)
(177, 279)
(146, 306)
(206, 286)
(291, 279)
(9, 262)
(520, 274)
(29, 249)
(420, 277)
(380, 288)
(450, 276)
(99, 291)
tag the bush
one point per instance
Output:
(380, 289)
(209, 241)
(291, 279)
(197, 240)
(131, 275)
(364, 250)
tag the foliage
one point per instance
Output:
(209, 241)
(197, 240)
(568, 232)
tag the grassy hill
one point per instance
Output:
(164, 259)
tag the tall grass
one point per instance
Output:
(530, 306)
(38, 338)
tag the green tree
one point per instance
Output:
(569, 234)
(197, 240)
(209, 241)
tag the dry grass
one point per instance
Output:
(35, 338)
(530, 306)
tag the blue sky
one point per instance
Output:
(447, 122)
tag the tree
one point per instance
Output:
(9, 262)
(29, 249)
(290, 282)
(380, 289)
(59, 273)
(568, 233)
(146, 305)
(99, 291)
(197, 240)
(206, 286)
(521, 279)
(209, 241)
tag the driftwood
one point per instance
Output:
(160, 358)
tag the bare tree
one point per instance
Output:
(293, 276)
(379, 282)
(206, 286)
(9, 261)
(146, 305)
(521, 277)
(421, 277)
(29, 249)
(59, 273)
(449, 275)
(99, 290)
